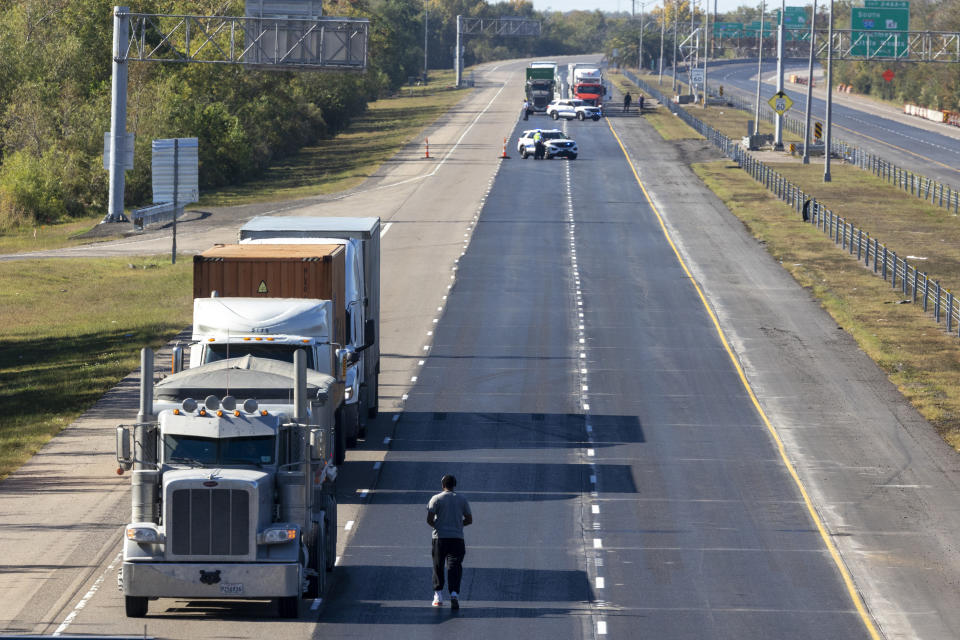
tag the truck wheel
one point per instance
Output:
(373, 392)
(135, 606)
(580, 116)
(556, 116)
(289, 607)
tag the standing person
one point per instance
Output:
(626, 102)
(640, 103)
(538, 147)
(526, 109)
(448, 513)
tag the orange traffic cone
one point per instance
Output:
(427, 142)
(504, 156)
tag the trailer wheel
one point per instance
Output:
(289, 607)
(135, 606)
(330, 522)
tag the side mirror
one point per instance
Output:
(316, 444)
(124, 449)
(176, 366)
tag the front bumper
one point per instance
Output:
(220, 580)
(560, 153)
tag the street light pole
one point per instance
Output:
(640, 49)
(806, 127)
(706, 35)
(778, 122)
(826, 142)
(426, 21)
(663, 26)
(676, 16)
(756, 116)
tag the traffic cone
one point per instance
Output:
(427, 143)
(504, 156)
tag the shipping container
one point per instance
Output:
(314, 271)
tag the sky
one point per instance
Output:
(626, 5)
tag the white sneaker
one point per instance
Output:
(437, 599)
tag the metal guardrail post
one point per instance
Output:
(936, 301)
(859, 244)
(903, 277)
(926, 291)
(916, 275)
(876, 253)
(949, 313)
(893, 276)
(883, 266)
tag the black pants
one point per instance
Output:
(449, 551)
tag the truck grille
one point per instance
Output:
(210, 522)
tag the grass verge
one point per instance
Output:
(669, 126)
(55, 364)
(917, 355)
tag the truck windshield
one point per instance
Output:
(274, 351)
(257, 450)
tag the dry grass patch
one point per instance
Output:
(918, 356)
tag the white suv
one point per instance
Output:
(556, 144)
(571, 108)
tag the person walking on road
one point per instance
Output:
(640, 103)
(626, 102)
(448, 513)
(526, 109)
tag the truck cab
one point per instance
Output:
(231, 500)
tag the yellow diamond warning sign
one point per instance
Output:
(780, 102)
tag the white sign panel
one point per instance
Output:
(696, 76)
(187, 160)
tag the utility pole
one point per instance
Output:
(118, 115)
(676, 15)
(706, 36)
(426, 22)
(756, 116)
(806, 127)
(778, 123)
(826, 142)
(695, 47)
(663, 26)
(640, 49)
(457, 58)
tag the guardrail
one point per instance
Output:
(154, 214)
(912, 283)
(925, 188)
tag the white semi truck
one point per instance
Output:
(231, 498)
(360, 238)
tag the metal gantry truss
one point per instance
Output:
(500, 27)
(489, 26)
(320, 43)
(910, 46)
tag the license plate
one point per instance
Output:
(232, 589)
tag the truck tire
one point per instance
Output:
(136, 606)
(331, 537)
(580, 116)
(351, 422)
(317, 585)
(289, 607)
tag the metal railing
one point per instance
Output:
(154, 214)
(903, 276)
(927, 189)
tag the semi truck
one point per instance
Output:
(360, 238)
(233, 483)
(541, 85)
(585, 81)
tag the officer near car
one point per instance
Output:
(526, 109)
(539, 148)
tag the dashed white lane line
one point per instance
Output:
(349, 526)
(599, 582)
(413, 378)
(86, 598)
(597, 543)
(591, 452)
(386, 228)
(595, 508)
(601, 628)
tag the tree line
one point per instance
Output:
(55, 82)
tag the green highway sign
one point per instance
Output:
(727, 29)
(793, 18)
(769, 28)
(880, 28)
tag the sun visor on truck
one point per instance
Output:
(246, 377)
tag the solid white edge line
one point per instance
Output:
(348, 526)
(386, 228)
(86, 598)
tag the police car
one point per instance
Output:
(557, 144)
(571, 108)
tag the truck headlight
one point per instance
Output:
(144, 534)
(277, 535)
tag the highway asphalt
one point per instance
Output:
(543, 342)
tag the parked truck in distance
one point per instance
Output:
(231, 498)
(540, 86)
(585, 81)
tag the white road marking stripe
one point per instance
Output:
(600, 582)
(597, 543)
(86, 598)
(591, 452)
(348, 526)
(363, 492)
(595, 508)
(601, 628)
(413, 378)
(386, 228)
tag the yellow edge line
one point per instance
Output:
(844, 573)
